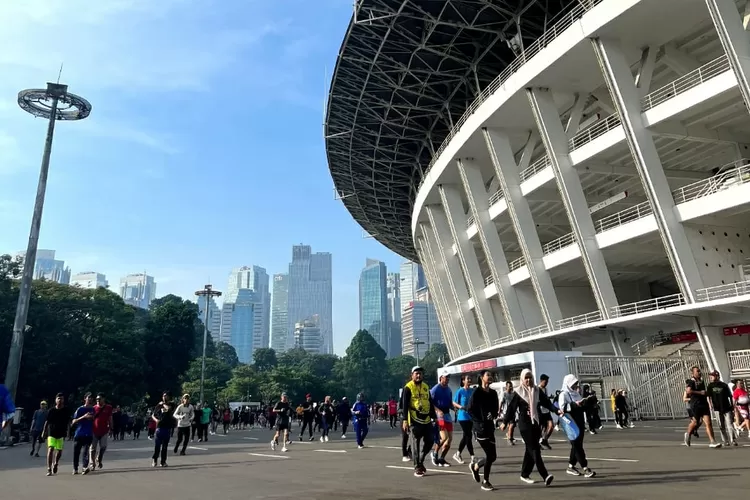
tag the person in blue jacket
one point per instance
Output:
(361, 415)
(7, 408)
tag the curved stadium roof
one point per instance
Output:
(407, 70)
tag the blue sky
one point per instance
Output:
(204, 150)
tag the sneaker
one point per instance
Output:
(548, 480)
(457, 458)
(153, 463)
(714, 445)
(527, 480)
(322, 439)
(312, 438)
(443, 463)
(31, 453)
(592, 432)
(405, 459)
(343, 436)
(36, 455)
(360, 446)
(487, 486)
(54, 469)
(175, 451)
(686, 439)
(99, 465)
(75, 472)
(588, 472)
(284, 449)
(619, 426)
(512, 442)
(49, 472)
(418, 472)
(434, 458)
(573, 471)
(85, 471)
(734, 443)
(545, 444)
(475, 472)
(326, 439)
(164, 464)
(182, 453)
(274, 444)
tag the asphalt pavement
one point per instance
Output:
(647, 462)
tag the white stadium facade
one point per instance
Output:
(573, 176)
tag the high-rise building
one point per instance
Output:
(252, 278)
(310, 293)
(279, 316)
(246, 323)
(214, 316)
(373, 302)
(48, 268)
(393, 291)
(138, 290)
(420, 328)
(89, 279)
(307, 335)
(412, 279)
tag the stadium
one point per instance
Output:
(573, 176)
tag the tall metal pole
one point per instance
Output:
(207, 293)
(37, 102)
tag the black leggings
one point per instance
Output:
(307, 424)
(533, 454)
(183, 436)
(344, 425)
(490, 450)
(423, 433)
(466, 439)
(81, 443)
(405, 443)
(577, 453)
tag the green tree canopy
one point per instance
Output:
(227, 354)
(264, 359)
(364, 369)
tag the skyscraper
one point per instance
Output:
(393, 290)
(419, 321)
(138, 290)
(48, 268)
(373, 302)
(279, 316)
(310, 293)
(253, 278)
(89, 279)
(214, 316)
(412, 279)
(247, 320)
(307, 335)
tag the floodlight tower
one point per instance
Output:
(53, 103)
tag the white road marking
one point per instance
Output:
(268, 456)
(385, 447)
(332, 451)
(629, 460)
(221, 435)
(196, 448)
(252, 439)
(129, 449)
(444, 471)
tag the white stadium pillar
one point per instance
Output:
(479, 205)
(446, 314)
(712, 342)
(506, 170)
(576, 207)
(734, 39)
(619, 79)
(450, 197)
(441, 243)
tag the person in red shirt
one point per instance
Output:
(392, 411)
(741, 406)
(102, 425)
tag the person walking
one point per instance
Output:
(698, 397)
(523, 408)
(102, 425)
(56, 429)
(361, 413)
(163, 415)
(461, 403)
(419, 412)
(184, 415)
(484, 407)
(83, 419)
(722, 403)
(344, 415)
(37, 427)
(570, 401)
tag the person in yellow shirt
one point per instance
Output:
(300, 413)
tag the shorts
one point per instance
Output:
(282, 427)
(544, 418)
(445, 426)
(700, 411)
(55, 443)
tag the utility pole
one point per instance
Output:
(416, 343)
(208, 293)
(53, 103)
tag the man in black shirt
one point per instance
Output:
(326, 417)
(721, 402)
(163, 415)
(56, 429)
(698, 396)
(283, 413)
(308, 417)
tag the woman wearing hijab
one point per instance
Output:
(524, 407)
(573, 403)
(483, 409)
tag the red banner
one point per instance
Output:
(678, 338)
(737, 330)
(479, 365)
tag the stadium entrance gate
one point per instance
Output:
(655, 385)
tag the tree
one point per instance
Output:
(227, 354)
(216, 377)
(399, 372)
(435, 357)
(294, 357)
(244, 383)
(264, 359)
(364, 366)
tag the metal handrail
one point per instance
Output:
(471, 220)
(565, 21)
(686, 82)
(496, 196)
(537, 330)
(723, 291)
(730, 175)
(489, 280)
(558, 244)
(517, 263)
(581, 319)
(623, 217)
(596, 130)
(647, 305)
(534, 168)
(739, 361)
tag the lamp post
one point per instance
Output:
(416, 343)
(208, 293)
(53, 103)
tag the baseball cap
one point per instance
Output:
(444, 373)
(308, 396)
(417, 368)
(715, 373)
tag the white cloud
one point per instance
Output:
(11, 159)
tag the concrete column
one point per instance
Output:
(576, 207)
(619, 79)
(479, 205)
(734, 39)
(507, 172)
(712, 342)
(450, 197)
(445, 313)
(619, 347)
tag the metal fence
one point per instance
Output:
(655, 385)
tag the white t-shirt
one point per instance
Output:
(184, 415)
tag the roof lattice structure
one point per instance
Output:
(406, 71)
